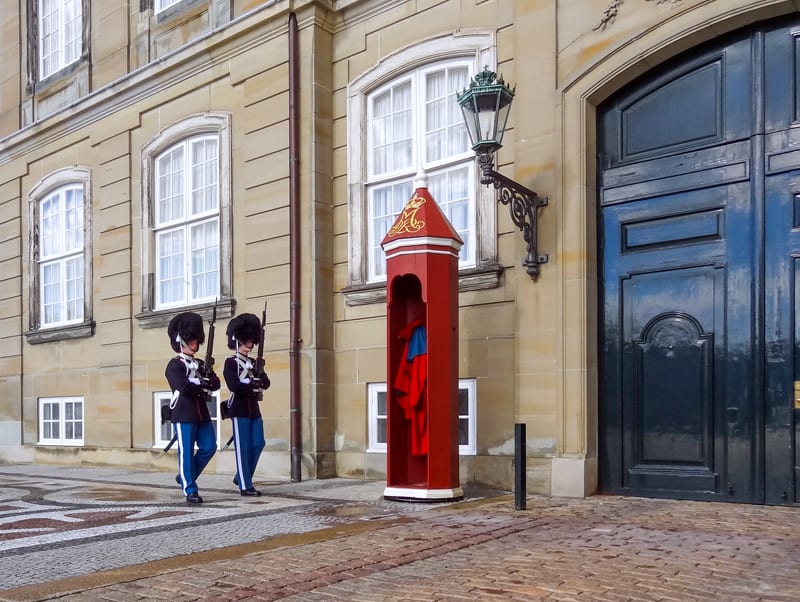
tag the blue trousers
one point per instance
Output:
(248, 436)
(191, 463)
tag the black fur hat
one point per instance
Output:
(187, 326)
(244, 327)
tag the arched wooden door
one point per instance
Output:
(699, 230)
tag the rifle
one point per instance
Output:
(208, 362)
(165, 418)
(259, 371)
(169, 445)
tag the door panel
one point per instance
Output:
(781, 81)
(699, 227)
(695, 104)
(782, 328)
(669, 275)
(670, 369)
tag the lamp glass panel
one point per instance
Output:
(488, 125)
(502, 118)
(471, 120)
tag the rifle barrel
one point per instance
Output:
(260, 357)
(209, 359)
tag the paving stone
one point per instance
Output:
(88, 534)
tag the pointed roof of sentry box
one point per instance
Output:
(421, 218)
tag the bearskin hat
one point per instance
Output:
(187, 326)
(244, 327)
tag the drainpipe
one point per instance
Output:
(296, 432)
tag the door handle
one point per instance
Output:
(797, 395)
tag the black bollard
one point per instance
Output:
(520, 465)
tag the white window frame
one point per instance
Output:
(68, 35)
(61, 403)
(62, 257)
(470, 385)
(479, 48)
(373, 416)
(56, 183)
(196, 127)
(162, 5)
(161, 398)
(187, 223)
(394, 177)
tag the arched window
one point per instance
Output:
(186, 197)
(60, 251)
(403, 116)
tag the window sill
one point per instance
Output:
(462, 451)
(472, 279)
(51, 444)
(61, 333)
(160, 318)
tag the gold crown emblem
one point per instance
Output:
(408, 222)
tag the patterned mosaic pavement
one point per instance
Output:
(74, 521)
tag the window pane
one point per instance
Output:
(463, 402)
(463, 431)
(204, 176)
(162, 4)
(381, 431)
(452, 192)
(435, 116)
(60, 34)
(51, 228)
(169, 186)
(391, 130)
(171, 278)
(51, 293)
(445, 133)
(205, 260)
(73, 219)
(382, 403)
(74, 289)
(385, 205)
(72, 31)
(49, 36)
(51, 416)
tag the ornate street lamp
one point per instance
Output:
(485, 106)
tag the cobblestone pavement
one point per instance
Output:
(87, 534)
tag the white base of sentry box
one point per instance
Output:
(411, 494)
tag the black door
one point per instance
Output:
(698, 218)
(782, 264)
